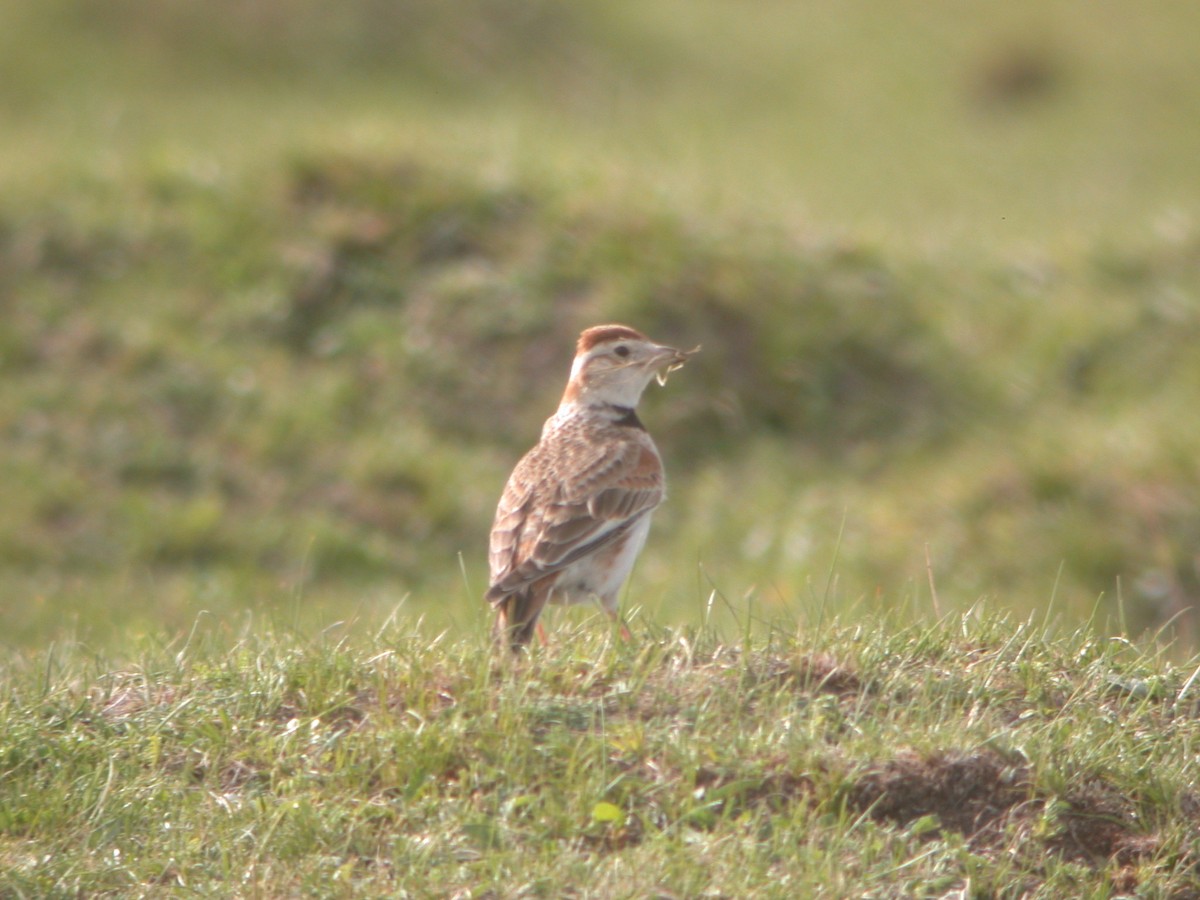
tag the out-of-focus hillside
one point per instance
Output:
(1038, 122)
(287, 288)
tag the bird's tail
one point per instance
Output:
(517, 617)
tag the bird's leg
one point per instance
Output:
(541, 633)
(614, 613)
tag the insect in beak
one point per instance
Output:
(677, 362)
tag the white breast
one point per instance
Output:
(602, 574)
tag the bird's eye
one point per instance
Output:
(621, 350)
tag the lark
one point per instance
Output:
(576, 510)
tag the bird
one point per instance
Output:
(575, 511)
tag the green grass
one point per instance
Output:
(287, 288)
(304, 394)
(978, 755)
(284, 302)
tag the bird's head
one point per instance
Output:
(614, 364)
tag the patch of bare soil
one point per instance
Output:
(1098, 822)
(993, 803)
(971, 793)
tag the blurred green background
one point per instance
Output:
(288, 286)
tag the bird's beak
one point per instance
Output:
(667, 359)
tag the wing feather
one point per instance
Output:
(547, 519)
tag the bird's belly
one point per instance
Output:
(602, 574)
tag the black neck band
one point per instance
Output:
(627, 416)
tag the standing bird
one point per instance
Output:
(576, 510)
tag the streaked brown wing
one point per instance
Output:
(544, 526)
(511, 515)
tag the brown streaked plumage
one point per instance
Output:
(576, 510)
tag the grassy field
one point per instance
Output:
(285, 291)
(975, 758)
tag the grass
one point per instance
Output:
(978, 755)
(286, 290)
(229, 394)
(278, 352)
